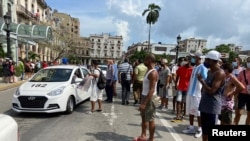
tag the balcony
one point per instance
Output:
(24, 12)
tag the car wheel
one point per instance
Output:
(70, 105)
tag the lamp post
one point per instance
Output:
(177, 48)
(7, 20)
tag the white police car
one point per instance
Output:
(52, 89)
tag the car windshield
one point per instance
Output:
(52, 75)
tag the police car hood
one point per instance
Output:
(41, 86)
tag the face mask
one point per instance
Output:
(193, 60)
(206, 65)
(234, 64)
(183, 63)
(248, 65)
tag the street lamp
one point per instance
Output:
(7, 20)
(177, 48)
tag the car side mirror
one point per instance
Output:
(78, 80)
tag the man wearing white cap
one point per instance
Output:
(212, 89)
(164, 77)
(194, 94)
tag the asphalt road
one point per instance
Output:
(116, 123)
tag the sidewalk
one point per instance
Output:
(6, 86)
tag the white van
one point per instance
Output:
(8, 128)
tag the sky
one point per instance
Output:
(217, 21)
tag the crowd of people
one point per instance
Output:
(210, 90)
(26, 67)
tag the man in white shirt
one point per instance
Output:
(147, 106)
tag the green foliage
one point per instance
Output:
(223, 48)
(2, 53)
(152, 17)
(138, 55)
(232, 55)
(18, 71)
(33, 56)
(153, 13)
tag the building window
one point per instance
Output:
(160, 49)
(92, 39)
(99, 40)
(118, 41)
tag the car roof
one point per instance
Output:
(103, 65)
(65, 66)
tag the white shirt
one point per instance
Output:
(146, 83)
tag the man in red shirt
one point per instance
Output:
(183, 75)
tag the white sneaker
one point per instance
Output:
(198, 134)
(163, 108)
(189, 131)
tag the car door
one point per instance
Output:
(88, 85)
(77, 80)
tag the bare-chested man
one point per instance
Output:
(232, 87)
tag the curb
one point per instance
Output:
(6, 86)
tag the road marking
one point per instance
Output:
(170, 128)
(112, 115)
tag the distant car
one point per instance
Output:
(8, 128)
(52, 89)
(104, 69)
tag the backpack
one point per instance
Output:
(101, 83)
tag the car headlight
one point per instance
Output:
(56, 92)
(17, 92)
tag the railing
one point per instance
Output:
(25, 11)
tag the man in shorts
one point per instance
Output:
(232, 87)
(174, 92)
(147, 106)
(183, 77)
(194, 94)
(164, 77)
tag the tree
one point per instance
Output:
(138, 55)
(152, 17)
(205, 50)
(33, 56)
(62, 43)
(2, 53)
(223, 48)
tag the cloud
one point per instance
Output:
(123, 29)
(220, 22)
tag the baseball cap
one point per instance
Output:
(197, 54)
(214, 55)
(164, 61)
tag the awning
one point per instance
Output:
(26, 33)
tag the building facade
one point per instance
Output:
(34, 12)
(192, 45)
(137, 47)
(105, 46)
(159, 49)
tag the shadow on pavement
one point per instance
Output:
(109, 136)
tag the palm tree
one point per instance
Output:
(152, 17)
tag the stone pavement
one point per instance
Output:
(5, 86)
